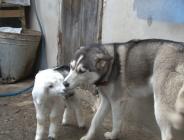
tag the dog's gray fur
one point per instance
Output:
(130, 69)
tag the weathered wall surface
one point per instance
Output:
(122, 21)
(79, 23)
(49, 13)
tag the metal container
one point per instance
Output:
(18, 2)
(18, 54)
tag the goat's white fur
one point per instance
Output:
(49, 102)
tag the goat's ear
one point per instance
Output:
(102, 61)
(63, 69)
(65, 73)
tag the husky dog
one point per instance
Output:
(49, 103)
(128, 69)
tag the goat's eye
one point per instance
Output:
(51, 86)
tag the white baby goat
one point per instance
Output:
(49, 99)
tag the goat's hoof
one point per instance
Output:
(51, 138)
(65, 124)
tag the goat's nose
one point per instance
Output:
(66, 84)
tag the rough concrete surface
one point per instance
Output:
(18, 122)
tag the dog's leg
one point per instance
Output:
(41, 122)
(98, 118)
(117, 120)
(166, 132)
(78, 112)
(73, 103)
(66, 116)
(54, 121)
(163, 123)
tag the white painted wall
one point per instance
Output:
(48, 11)
(120, 24)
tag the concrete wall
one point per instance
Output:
(120, 23)
(49, 13)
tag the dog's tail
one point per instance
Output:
(177, 118)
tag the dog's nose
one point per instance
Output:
(66, 84)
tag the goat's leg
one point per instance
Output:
(54, 121)
(41, 116)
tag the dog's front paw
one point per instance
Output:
(110, 136)
(81, 125)
(85, 138)
(38, 137)
(65, 122)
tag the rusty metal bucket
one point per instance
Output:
(17, 55)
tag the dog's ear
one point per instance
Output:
(102, 61)
(101, 64)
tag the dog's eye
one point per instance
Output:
(82, 71)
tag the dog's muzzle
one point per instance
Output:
(66, 84)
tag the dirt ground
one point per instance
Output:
(18, 122)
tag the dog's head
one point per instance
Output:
(48, 83)
(89, 64)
